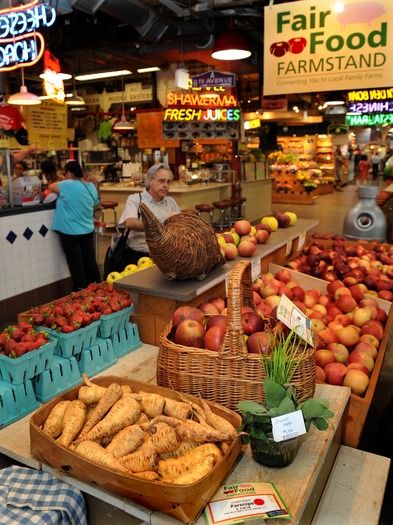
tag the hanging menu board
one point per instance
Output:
(47, 125)
(149, 126)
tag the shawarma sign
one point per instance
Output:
(320, 45)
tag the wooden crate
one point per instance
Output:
(184, 503)
(294, 197)
(357, 408)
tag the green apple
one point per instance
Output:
(113, 276)
(292, 216)
(221, 239)
(271, 221)
(236, 237)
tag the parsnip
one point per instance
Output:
(178, 409)
(143, 421)
(162, 438)
(112, 394)
(97, 454)
(194, 475)
(90, 393)
(192, 431)
(54, 422)
(170, 469)
(198, 411)
(153, 404)
(123, 413)
(140, 460)
(126, 441)
(148, 475)
(73, 420)
(216, 421)
(184, 446)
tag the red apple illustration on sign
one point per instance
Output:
(279, 49)
(296, 45)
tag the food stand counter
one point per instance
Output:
(300, 484)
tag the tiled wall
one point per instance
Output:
(30, 253)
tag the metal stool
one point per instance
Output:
(238, 208)
(224, 219)
(203, 209)
(109, 205)
(99, 229)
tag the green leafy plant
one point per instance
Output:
(280, 396)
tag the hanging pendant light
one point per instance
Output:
(23, 98)
(231, 45)
(74, 99)
(123, 124)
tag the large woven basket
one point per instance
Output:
(231, 375)
(183, 247)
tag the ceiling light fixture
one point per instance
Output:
(335, 98)
(231, 45)
(123, 124)
(104, 74)
(23, 98)
(74, 99)
(148, 69)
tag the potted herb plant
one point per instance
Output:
(280, 399)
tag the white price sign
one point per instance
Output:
(288, 426)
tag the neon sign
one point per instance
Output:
(370, 120)
(210, 115)
(20, 43)
(192, 99)
(372, 107)
(367, 95)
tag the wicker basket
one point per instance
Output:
(231, 375)
(183, 247)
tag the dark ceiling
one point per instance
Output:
(93, 35)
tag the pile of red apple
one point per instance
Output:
(352, 263)
(348, 326)
(243, 238)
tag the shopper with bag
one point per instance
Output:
(158, 180)
(75, 225)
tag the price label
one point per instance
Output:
(302, 239)
(255, 268)
(288, 426)
(294, 318)
(288, 248)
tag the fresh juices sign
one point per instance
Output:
(324, 45)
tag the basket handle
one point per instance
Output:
(240, 293)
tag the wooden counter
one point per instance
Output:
(300, 484)
(258, 194)
(158, 298)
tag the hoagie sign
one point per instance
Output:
(319, 45)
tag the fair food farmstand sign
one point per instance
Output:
(320, 45)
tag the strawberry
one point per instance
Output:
(26, 327)
(27, 338)
(67, 329)
(58, 310)
(115, 305)
(10, 347)
(32, 345)
(61, 321)
(21, 349)
(17, 334)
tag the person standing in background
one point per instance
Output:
(363, 169)
(338, 169)
(375, 162)
(74, 223)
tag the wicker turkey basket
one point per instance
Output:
(231, 375)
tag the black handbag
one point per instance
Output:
(116, 257)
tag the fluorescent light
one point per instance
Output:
(148, 69)
(107, 74)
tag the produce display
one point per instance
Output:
(80, 309)
(243, 238)
(19, 339)
(370, 266)
(142, 263)
(141, 434)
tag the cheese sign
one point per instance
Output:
(323, 46)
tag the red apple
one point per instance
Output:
(325, 299)
(216, 320)
(328, 336)
(283, 275)
(219, 302)
(257, 298)
(264, 310)
(343, 319)
(263, 226)
(259, 342)
(361, 315)
(359, 366)
(368, 338)
(372, 327)
(250, 237)
(187, 312)
(252, 322)
(229, 238)
(256, 285)
(261, 236)
(246, 249)
(272, 301)
(298, 293)
(386, 295)
(208, 308)
(214, 337)
(333, 310)
(357, 381)
(242, 227)
(362, 358)
(335, 373)
(230, 251)
(300, 305)
(381, 315)
(367, 348)
(348, 336)
(356, 292)
(332, 286)
(321, 376)
(340, 352)
(346, 302)
(323, 357)
(190, 333)
(317, 325)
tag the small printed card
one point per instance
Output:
(241, 502)
(294, 318)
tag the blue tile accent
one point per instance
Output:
(43, 230)
(27, 234)
(11, 237)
